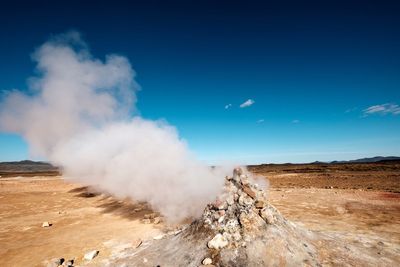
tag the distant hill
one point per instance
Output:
(368, 160)
(27, 168)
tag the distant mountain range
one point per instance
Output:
(367, 160)
(27, 167)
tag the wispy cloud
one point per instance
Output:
(228, 106)
(260, 121)
(247, 103)
(295, 121)
(350, 110)
(383, 109)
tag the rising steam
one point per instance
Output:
(78, 115)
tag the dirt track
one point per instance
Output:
(83, 221)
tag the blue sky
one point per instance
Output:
(312, 71)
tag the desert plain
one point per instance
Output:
(357, 203)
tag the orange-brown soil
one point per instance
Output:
(83, 221)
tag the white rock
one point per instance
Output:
(46, 224)
(159, 237)
(207, 261)
(221, 219)
(218, 242)
(91, 255)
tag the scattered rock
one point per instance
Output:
(46, 224)
(207, 261)
(218, 242)
(91, 255)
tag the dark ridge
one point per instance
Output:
(27, 168)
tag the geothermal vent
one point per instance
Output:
(239, 229)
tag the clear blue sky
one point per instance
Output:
(312, 68)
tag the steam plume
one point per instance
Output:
(78, 115)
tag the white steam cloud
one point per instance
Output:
(78, 115)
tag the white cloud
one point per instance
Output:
(260, 121)
(247, 103)
(228, 106)
(295, 121)
(383, 109)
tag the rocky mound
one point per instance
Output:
(239, 229)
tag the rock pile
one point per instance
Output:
(239, 229)
(240, 206)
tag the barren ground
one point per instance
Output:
(362, 211)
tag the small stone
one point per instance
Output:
(159, 237)
(91, 255)
(177, 232)
(157, 220)
(46, 224)
(145, 260)
(207, 261)
(218, 242)
(59, 261)
(137, 209)
(221, 219)
(69, 263)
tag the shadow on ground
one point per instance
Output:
(123, 208)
